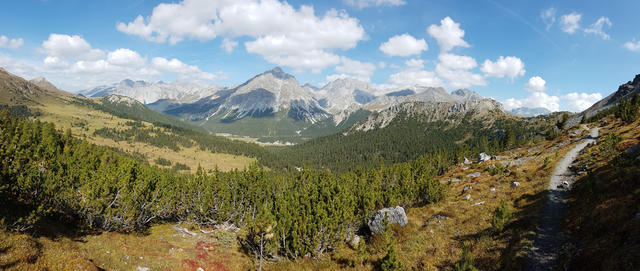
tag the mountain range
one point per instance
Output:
(274, 104)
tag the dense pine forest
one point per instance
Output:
(48, 175)
(407, 138)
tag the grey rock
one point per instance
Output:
(474, 175)
(492, 189)
(466, 188)
(454, 180)
(483, 157)
(354, 241)
(467, 197)
(467, 161)
(394, 215)
(515, 184)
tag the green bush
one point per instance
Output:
(465, 263)
(501, 216)
(180, 166)
(390, 261)
(162, 162)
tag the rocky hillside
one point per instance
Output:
(452, 111)
(625, 91)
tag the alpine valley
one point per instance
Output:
(359, 135)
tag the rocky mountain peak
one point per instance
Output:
(43, 84)
(466, 94)
(279, 73)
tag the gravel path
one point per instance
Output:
(549, 238)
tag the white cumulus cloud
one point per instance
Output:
(125, 57)
(403, 45)
(73, 47)
(632, 45)
(510, 67)
(414, 64)
(569, 23)
(373, 3)
(10, 43)
(355, 69)
(55, 62)
(184, 71)
(460, 78)
(535, 83)
(457, 62)
(537, 99)
(580, 101)
(448, 34)
(597, 28)
(281, 34)
(415, 77)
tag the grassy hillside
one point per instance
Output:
(85, 116)
(604, 209)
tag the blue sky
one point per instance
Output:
(578, 51)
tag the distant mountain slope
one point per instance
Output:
(44, 84)
(434, 105)
(625, 91)
(146, 92)
(344, 96)
(130, 108)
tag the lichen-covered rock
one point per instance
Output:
(394, 215)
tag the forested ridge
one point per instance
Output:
(48, 175)
(407, 138)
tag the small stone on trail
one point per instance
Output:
(515, 184)
(468, 197)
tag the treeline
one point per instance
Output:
(46, 174)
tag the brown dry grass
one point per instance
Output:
(603, 206)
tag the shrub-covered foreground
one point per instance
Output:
(45, 173)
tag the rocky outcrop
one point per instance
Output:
(393, 215)
(450, 112)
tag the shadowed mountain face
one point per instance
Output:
(363, 97)
(404, 92)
